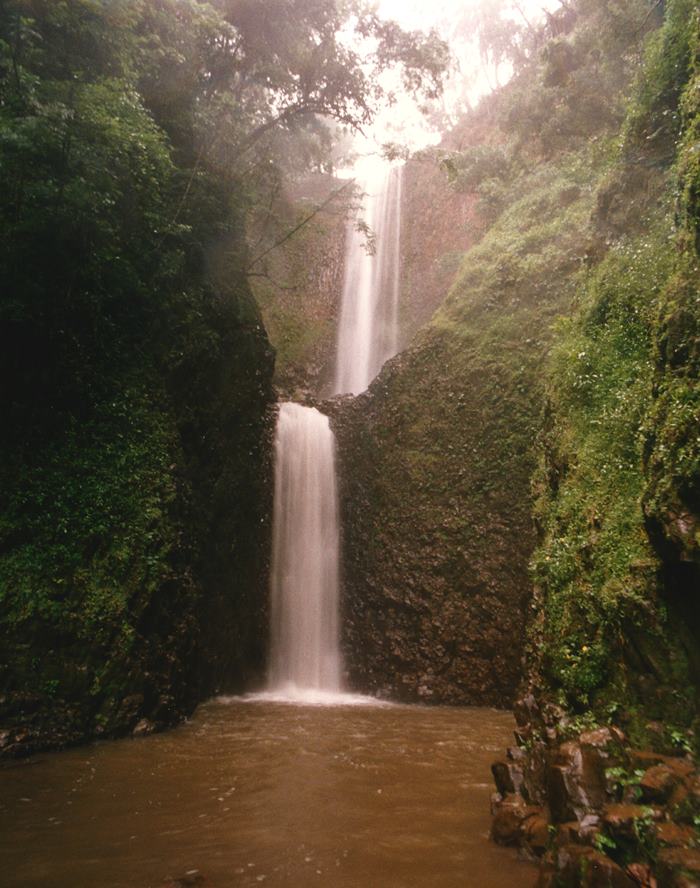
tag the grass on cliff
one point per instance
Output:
(596, 565)
(619, 455)
(578, 230)
(295, 288)
(510, 288)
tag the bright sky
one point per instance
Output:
(403, 123)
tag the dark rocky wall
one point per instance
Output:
(225, 401)
(168, 602)
(435, 580)
(438, 226)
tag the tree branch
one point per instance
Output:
(647, 16)
(267, 277)
(333, 195)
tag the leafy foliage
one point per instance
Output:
(617, 483)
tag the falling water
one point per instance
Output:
(305, 661)
(305, 651)
(368, 333)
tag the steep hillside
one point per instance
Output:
(135, 543)
(611, 702)
(618, 475)
(438, 455)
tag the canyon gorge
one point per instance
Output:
(332, 462)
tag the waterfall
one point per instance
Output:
(305, 648)
(305, 661)
(368, 332)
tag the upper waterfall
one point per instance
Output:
(368, 332)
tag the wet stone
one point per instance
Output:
(679, 867)
(143, 728)
(536, 833)
(511, 814)
(620, 819)
(644, 759)
(658, 783)
(576, 782)
(676, 835)
(547, 877)
(507, 777)
(601, 738)
(642, 875)
(580, 866)
(567, 833)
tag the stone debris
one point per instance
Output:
(596, 812)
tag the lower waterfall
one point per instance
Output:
(305, 646)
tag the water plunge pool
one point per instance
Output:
(267, 793)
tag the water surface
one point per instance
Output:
(251, 793)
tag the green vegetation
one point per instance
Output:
(298, 287)
(619, 461)
(597, 564)
(151, 155)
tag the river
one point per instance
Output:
(251, 793)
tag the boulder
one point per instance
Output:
(535, 834)
(580, 866)
(144, 727)
(675, 835)
(642, 875)
(511, 814)
(679, 867)
(579, 832)
(620, 819)
(602, 738)
(658, 783)
(576, 781)
(507, 776)
(645, 758)
(547, 877)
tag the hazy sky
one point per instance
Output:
(434, 13)
(420, 13)
(403, 122)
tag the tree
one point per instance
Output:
(134, 133)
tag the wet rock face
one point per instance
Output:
(435, 575)
(299, 284)
(438, 225)
(578, 865)
(513, 821)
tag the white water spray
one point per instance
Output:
(368, 332)
(305, 647)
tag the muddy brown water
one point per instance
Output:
(265, 793)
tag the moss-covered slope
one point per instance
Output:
(298, 280)
(613, 645)
(135, 376)
(617, 484)
(437, 457)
